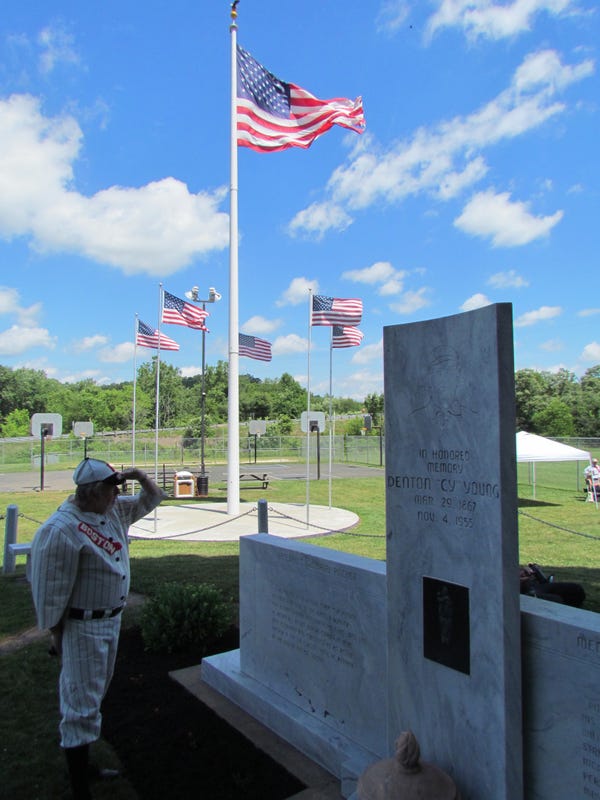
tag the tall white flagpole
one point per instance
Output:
(310, 303)
(233, 402)
(157, 408)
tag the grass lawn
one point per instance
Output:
(557, 529)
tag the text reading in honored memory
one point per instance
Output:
(446, 492)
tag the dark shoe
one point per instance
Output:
(103, 773)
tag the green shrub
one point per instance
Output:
(184, 616)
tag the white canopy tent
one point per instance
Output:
(532, 448)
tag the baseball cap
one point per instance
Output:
(92, 470)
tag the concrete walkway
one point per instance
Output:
(209, 522)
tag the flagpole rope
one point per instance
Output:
(559, 527)
(328, 530)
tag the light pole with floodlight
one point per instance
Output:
(213, 297)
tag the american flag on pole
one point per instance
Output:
(178, 312)
(253, 347)
(346, 336)
(336, 311)
(149, 337)
(273, 115)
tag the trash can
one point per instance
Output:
(203, 485)
(183, 484)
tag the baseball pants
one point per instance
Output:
(89, 651)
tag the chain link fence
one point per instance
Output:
(65, 452)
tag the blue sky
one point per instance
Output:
(476, 181)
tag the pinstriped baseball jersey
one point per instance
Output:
(81, 559)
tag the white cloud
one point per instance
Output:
(368, 354)
(539, 315)
(154, 229)
(411, 301)
(292, 343)
(591, 352)
(89, 342)
(507, 223)
(18, 339)
(447, 159)
(57, 47)
(359, 384)
(319, 218)
(588, 312)
(552, 346)
(507, 280)
(297, 292)
(489, 20)
(258, 325)
(84, 375)
(9, 299)
(382, 272)
(10, 303)
(392, 15)
(190, 372)
(475, 301)
(117, 354)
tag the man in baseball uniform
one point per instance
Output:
(80, 582)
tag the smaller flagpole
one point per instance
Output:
(157, 407)
(133, 426)
(330, 411)
(310, 300)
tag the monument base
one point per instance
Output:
(337, 754)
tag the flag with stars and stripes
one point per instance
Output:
(274, 115)
(150, 337)
(253, 347)
(346, 336)
(178, 312)
(336, 311)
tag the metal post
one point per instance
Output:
(42, 456)
(203, 399)
(10, 537)
(263, 517)
(318, 455)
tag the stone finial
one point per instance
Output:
(406, 777)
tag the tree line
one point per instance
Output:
(24, 392)
(547, 403)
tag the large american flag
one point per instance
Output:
(253, 347)
(336, 311)
(178, 312)
(149, 337)
(274, 115)
(345, 336)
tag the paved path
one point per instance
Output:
(209, 522)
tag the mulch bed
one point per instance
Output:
(170, 744)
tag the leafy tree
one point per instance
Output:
(374, 405)
(289, 399)
(283, 426)
(531, 389)
(554, 420)
(16, 423)
(23, 388)
(171, 391)
(587, 407)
